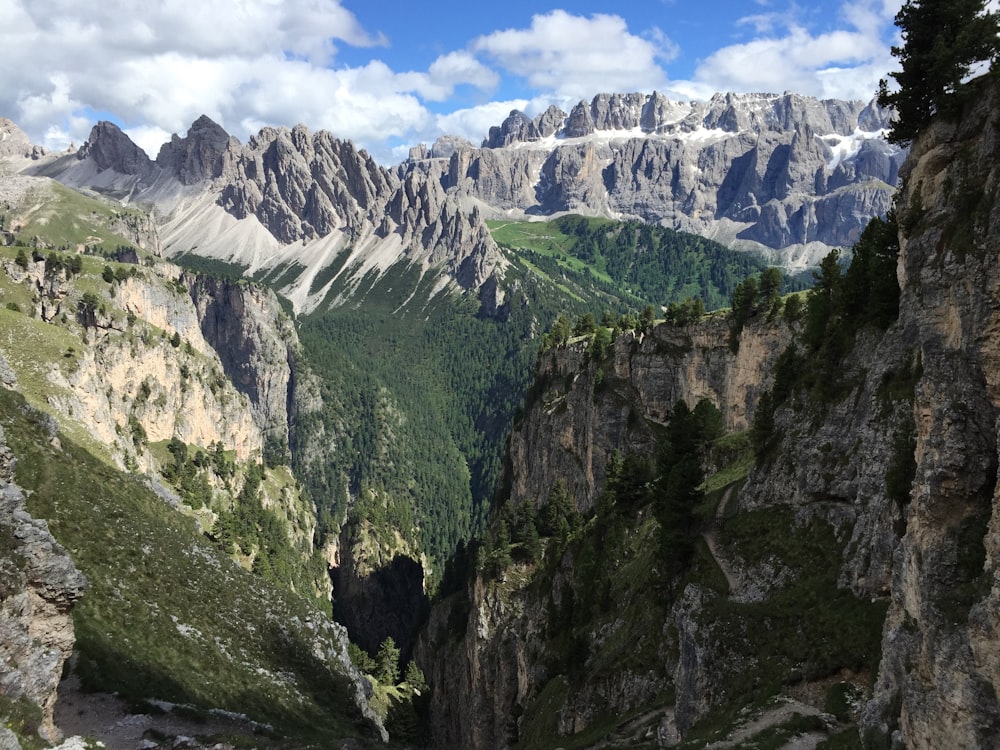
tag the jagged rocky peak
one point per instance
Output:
(579, 123)
(550, 121)
(199, 155)
(109, 148)
(617, 111)
(656, 114)
(15, 142)
(442, 148)
(302, 185)
(517, 128)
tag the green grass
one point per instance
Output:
(167, 616)
(23, 718)
(545, 238)
(63, 216)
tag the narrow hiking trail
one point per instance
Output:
(711, 537)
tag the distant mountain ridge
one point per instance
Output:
(289, 203)
(789, 174)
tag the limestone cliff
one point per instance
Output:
(506, 661)
(787, 173)
(257, 345)
(938, 680)
(133, 358)
(586, 411)
(860, 550)
(38, 586)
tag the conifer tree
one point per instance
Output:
(387, 662)
(943, 42)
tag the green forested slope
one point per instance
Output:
(167, 615)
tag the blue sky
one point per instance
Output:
(389, 74)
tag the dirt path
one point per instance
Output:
(772, 717)
(108, 718)
(711, 537)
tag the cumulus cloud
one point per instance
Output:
(156, 67)
(578, 57)
(786, 55)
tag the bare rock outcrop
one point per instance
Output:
(199, 155)
(38, 587)
(941, 638)
(109, 148)
(257, 345)
(14, 142)
(790, 173)
(646, 375)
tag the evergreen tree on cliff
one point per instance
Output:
(943, 42)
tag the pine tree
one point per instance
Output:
(387, 662)
(943, 41)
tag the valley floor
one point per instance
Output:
(120, 725)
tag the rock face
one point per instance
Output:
(924, 551)
(488, 650)
(15, 143)
(646, 375)
(130, 375)
(109, 148)
(789, 173)
(289, 199)
(941, 642)
(257, 345)
(199, 155)
(38, 587)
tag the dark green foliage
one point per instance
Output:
(585, 325)
(525, 540)
(387, 662)
(685, 313)
(659, 264)
(558, 334)
(943, 40)
(752, 297)
(559, 514)
(793, 308)
(601, 342)
(21, 260)
(361, 659)
(870, 286)
(86, 311)
(417, 405)
(680, 479)
(838, 306)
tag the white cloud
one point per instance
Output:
(474, 123)
(447, 72)
(246, 63)
(788, 56)
(157, 66)
(579, 57)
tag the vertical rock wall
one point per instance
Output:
(38, 586)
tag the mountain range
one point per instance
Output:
(249, 386)
(789, 175)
